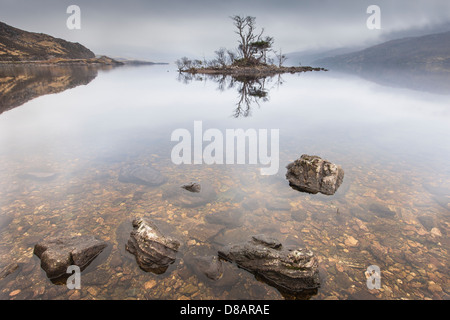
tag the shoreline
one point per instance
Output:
(64, 62)
(101, 61)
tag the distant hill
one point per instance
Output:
(308, 57)
(134, 62)
(430, 53)
(20, 45)
(418, 63)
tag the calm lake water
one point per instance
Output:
(391, 211)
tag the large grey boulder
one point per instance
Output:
(141, 175)
(312, 174)
(291, 271)
(58, 253)
(154, 252)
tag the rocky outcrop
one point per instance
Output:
(58, 253)
(142, 175)
(154, 252)
(291, 271)
(312, 174)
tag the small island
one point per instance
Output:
(251, 59)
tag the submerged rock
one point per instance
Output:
(312, 174)
(5, 221)
(427, 222)
(205, 232)
(154, 252)
(142, 175)
(381, 210)
(187, 199)
(58, 253)
(192, 187)
(229, 218)
(251, 204)
(299, 215)
(39, 176)
(291, 271)
(210, 266)
(282, 205)
(441, 194)
(9, 269)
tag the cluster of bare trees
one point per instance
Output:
(253, 49)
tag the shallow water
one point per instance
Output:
(391, 211)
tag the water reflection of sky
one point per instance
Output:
(131, 103)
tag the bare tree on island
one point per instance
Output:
(280, 57)
(245, 29)
(252, 46)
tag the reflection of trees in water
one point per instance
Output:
(252, 90)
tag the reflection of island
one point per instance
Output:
(20, 84)
(251, 89)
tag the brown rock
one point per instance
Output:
(312, 174)
(351, 242)
(149, 284)
(154, 252)
(58, 253)
(14, 293)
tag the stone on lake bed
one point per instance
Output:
(436, 232)
(381, 210)
(427, 222)
(210, 266)
(251, 204)
(205, 232)
(58, 253)
(192, 187)
(291, 271)
(38, 176)
(154, 252)
(187, 199)
(142, 175)
(351, 242)
(5, 221)
(312, 174)
(278, 205)
(229, 218)
(9, 269)
(299, 215)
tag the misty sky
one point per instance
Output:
(165, 30)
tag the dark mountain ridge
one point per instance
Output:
(20, 45)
